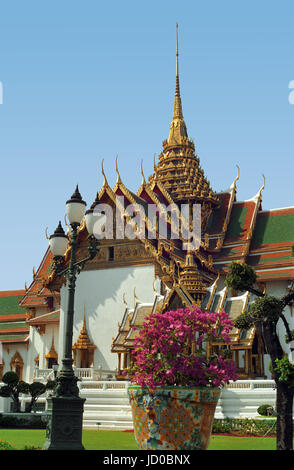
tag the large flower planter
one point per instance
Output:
(173, 418)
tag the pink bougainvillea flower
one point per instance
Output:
(170, 349)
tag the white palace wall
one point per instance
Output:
(99, 293)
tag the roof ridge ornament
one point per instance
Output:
(117, 171)
(233, 186)
(103, 173)
(124, 299)
(263, 186)
(258, 195)
(142, 173)
(135, 297)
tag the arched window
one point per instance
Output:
(16, 364)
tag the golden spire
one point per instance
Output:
(178, 112)
(178, 128)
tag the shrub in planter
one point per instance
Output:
(266, 410)
(178, 386)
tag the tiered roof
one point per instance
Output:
(13, 327)
(37, 295)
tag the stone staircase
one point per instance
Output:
(242, 398)
(106, 403)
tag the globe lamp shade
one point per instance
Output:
(90, 215)
(75, 208)
(90, 220)
(58, 241)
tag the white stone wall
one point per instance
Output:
(100, 294)
(8, 351)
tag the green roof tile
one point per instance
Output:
(272, 229)
(9, 306)
(13, 325)
(237, 220)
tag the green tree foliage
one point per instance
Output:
(240, 277)
(265, 313)
(35, 389)
(285, 370)
(14, 387)
(266, 308)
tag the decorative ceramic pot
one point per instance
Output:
(173, 418)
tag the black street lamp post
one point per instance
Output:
(65, 407)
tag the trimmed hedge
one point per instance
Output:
(30, 421)
(246, 426)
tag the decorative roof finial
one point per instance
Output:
(262, 188)
(116, 169)
(135, 296)
(142, 173)
(236, 179)
(238, 175)
(103, 173)
(124, 299)
(84, 319)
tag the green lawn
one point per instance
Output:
(118, 440)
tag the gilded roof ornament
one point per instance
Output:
(233, 186)
(135, 296)
(103, 173)
(124, 299)
(116, 169)
(142, 173)
(154, 162)
(263, 186)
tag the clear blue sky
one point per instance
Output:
(88, 80)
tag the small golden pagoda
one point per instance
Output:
(52, 356)
(191, 280)
(85, 347)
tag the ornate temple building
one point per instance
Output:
(130, 278)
